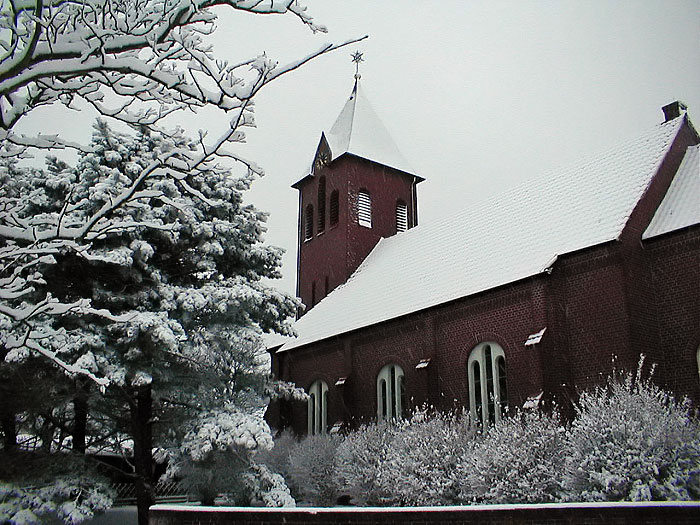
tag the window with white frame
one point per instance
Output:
(488, 389)
(390, 393)
(364, 208)
(317, 408)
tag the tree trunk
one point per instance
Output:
(141, 412)
(80, 409)
(9, 429)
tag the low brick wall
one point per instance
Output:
(657, 513)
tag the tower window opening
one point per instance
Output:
(364, 209)
(321, 204)
(335, 208)
(309, 222)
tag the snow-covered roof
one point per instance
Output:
(504, 239)
(359, 131)
(681, 205)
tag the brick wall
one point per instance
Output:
(674, 261)
(574, 514)
(338, 251)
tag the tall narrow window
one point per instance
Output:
(390, 393)
(488, 394)
(335, 208)
(401, 216)
(326, 288)
(321, 204)
(309, 222)
(317, 408)
(364, 208)
(313, 293)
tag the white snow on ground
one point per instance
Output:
(331, 510)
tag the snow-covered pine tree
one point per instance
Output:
(181, 267)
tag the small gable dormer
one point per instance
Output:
(359, 189)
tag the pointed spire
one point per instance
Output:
(359, 131)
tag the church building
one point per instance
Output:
(528, 297)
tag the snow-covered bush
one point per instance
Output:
(631, 440)
(277, 458)
(517, 460)
(311, 465)
(361, 458)
(421, 463)
(70, 499)
(268, 488)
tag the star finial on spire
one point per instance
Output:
(357, 58)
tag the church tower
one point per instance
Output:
(358, 190)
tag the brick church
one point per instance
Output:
(528, 297)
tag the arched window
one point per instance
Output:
(309, 222)
(390, 393)
(364, 209)
(335, 208)
(401, 216)
(317, 408)
(488, 389)
(321, 204)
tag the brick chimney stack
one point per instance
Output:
(673, 110)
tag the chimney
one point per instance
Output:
(673, 110)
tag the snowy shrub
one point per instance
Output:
(70, 499)
(631, 440)
(268, 488)
(360, 460)
(421, 463)
(311, 464)
(516, 460)
(277, 458)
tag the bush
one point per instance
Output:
(311, 466)
(517, 460)
(631, 440)
(361, 458)
(421, 466)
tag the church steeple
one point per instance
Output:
(359, 189)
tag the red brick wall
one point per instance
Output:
(674, 261)
(338, 251)
(573, 514)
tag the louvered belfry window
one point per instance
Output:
(401, 216)
(321, 204)
(364, 209)
(309, 222)
(335, 208)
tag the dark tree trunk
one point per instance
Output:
(9, 430)
(80, 409)
(141, 412)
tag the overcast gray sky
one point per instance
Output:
(478, 95)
